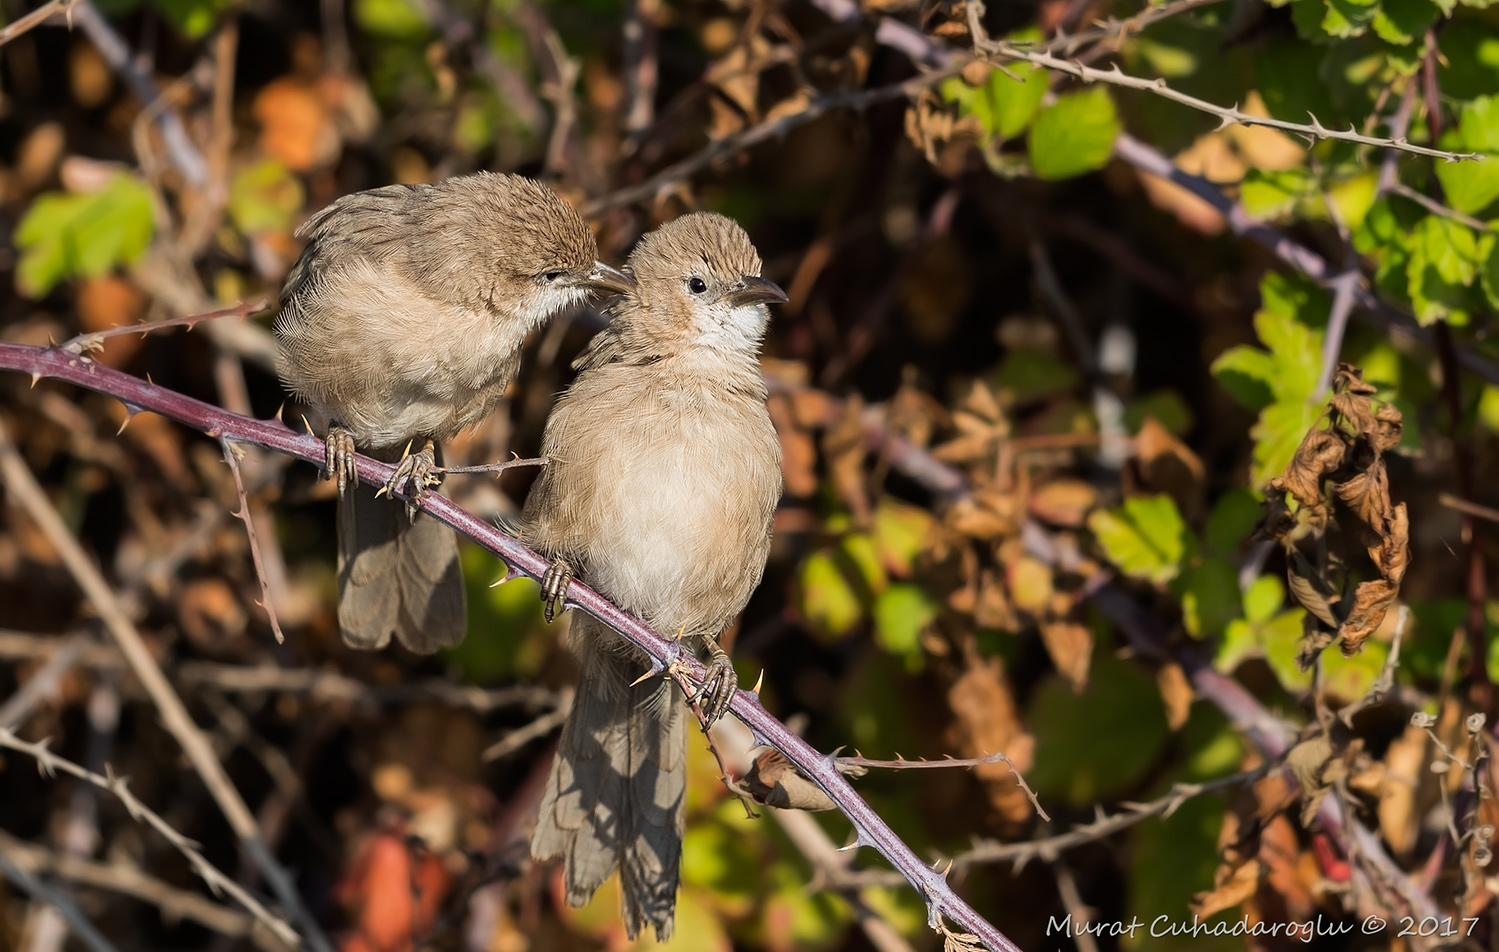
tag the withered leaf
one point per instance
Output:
(1176, 694)
(1233, 884)
(1321, 452)
(1310, 588)
(1308, 762)
(1063, 502)
(774, 781)
(1368, 495)
(1371, 601)
(1389, 427)
(1071, 648)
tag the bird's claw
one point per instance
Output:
(414, 473)
(720, 683)
(338, 457)
(554, 584)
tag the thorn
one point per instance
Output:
(758, 682)
(407, 451)
(381, 491)
(279, 410)
(34, 378)
(643, 678)
(149, 380)
(678, 638)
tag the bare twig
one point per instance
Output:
(1386, 681)
(24, 491)
(540, 727)
(185, 154)
(267, 600)
(996, 758)
(332, 686)
(1437, 208)
(129, 880)
(86, 931)
(1468, 508)
(42, 683)
(90, 343)
(37, 17)
(872, 831)
(49, 763)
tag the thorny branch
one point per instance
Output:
(49, 764)
(941, 901)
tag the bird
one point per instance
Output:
(400, 324)
(662, 485)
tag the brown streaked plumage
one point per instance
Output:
(664, 477)
(402, 323)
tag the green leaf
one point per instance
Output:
(1209, 597)
(1276, 435)
(65, 235)
(901, 613)
(1469, 64)
(1234, 516)
(1025, 376)
(901, 532)
(1353, 197)
(1247, 374)
(264, 197)
(394, 19)
(1402, 21)
(1296, 350)
(1074, 136)
(1096, 744)
(1276, 640)
(1443, 260)
(1275, 194)
(1345, 18)
(1145, 538)
(1264, 597)
(828, 600)
(1472, 187)
(1006, 107)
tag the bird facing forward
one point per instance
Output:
(664, 477)
(402, 323)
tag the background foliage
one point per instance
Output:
(1030, 394)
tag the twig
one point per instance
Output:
(77, 921)
(678, 675)
(267, 600)
(24, 491)
(49, 764)
(37, 17)
(996, 758)
(91, 343)
(640, 64)
(1437, 208)
(42, 683)
(1345, 288)
(129, 880)
(540, 727)
(1468, 508)
(1072, 901)
(185, 154)
(332, 686)
(872, 831)
(753, 136)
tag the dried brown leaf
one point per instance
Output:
(844, 450)
(1176, 693)
(1320, 453)
(773, 781)
(1371, 600)
(1071, 648)
(986, 721)
(1311, 589)
(798, 449)
(1063, 502)
(1165, 464)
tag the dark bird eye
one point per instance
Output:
(552, 275)
(697, 285)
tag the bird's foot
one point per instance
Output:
(554, 584)
(720, 683)
(338, 457)
(414, 473)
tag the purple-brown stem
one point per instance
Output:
(137, 395)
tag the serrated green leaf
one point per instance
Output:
(1489, 248)
(1402, 21)
(1276, 435)
(1145, 538)
(1166, 407)
(1348, 18)
(1276, 640)
(1443, 262)
(1472, 187)
(1006, 107)
(828, 599)
(1353, 197)
(1074, 136)
(1297, 352)
(901, 532)
(65, 235)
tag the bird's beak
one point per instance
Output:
(607, 279)
(751, 289)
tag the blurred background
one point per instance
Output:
(1030, 395)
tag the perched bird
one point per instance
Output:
(664, 477)
(402, 323)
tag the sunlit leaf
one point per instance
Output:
(1146, 537)
(1074, 136)
(66, 235)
